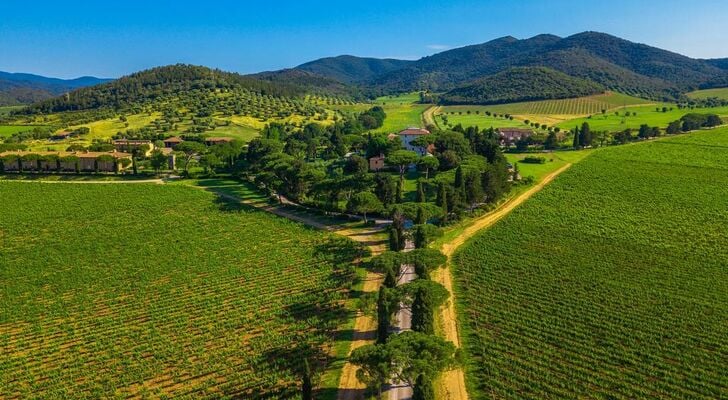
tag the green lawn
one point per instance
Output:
(8, 130)
(474, 116)
(554, 161)
(609, 283)
(115, 291)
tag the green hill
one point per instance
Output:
(521, 84)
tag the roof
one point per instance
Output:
(79, 154)
(64, 133)
(414, 131)
(132, 141)
(218, 139)
(173, 139)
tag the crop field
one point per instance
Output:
(576, 106)
(554, 161)
(609, 283)
(138, 291)
(721, 93)
(644, 115)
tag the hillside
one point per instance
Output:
(607, 60)
(521, 84)
(156, 83)
(19, 88)
(350, 69)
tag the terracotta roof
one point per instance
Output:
(515, 130)
(79, 154)
(414, 131)
(173, 139)
(132, 141)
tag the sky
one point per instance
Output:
(73, 38)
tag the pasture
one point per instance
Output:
(721, 93)
(609, 283)
(473, 116)
(8, 130)
(139, 290)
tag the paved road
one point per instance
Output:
(403, 323)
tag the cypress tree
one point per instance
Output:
(383, 315)
(420, 218)
(400, 188)
(423, 389)
(585, 136)
(307, 385)
(441, 194)
(576, 138)
(422, 314)
(393, 239)
(421, 192)
(445, 207)
(390, 279)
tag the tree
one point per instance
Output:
(551, 142)
(375, 366)
(426, 297)
(673, 128)
(384, 314)
(307, 384)
(576, 143)
(421, 192)
(364, 203)
(428, 163)
(356, 165)
(158, 160)
(423, 234)
(473, 189)
(423, 389)
(585, 136)
(209, 162)
(190, 150)
(413, 354)
(401, 159)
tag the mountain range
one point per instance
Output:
(501, 70)
(20, 88)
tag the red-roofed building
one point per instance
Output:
(512, 135)
(410, 134)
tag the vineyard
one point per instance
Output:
(137, 291)
(576, 106)
(610, 283)
(721, 93)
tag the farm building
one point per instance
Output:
(170, 142)
(410, 134)
(61, 161)
(511, 135)
(61, 135)
(130, 146)
(376, 163)
(211, 141)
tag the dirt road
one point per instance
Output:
(452, 384)
(428, 116)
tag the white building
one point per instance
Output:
(410, 134)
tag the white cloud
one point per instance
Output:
(438, 46)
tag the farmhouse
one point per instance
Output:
(211, 141)
(129, 145)
(410, 134)
(61, 161)
(511, 135)
(170, 142)
(376, 163)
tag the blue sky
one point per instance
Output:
(73, 38)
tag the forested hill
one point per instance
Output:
(612, 62)
(521, 84)
(156, 83)
(351, 69)
(18, 88)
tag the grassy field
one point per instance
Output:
(609, 283)
(7, 109)
(116, 291)
(645, 115)
(554, 161)
(8, 130)
(721, 93)
(401, 112)
(467, 116)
